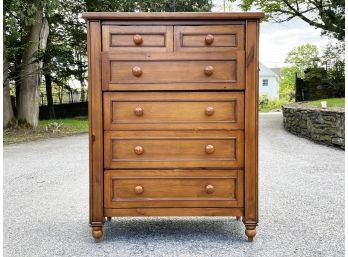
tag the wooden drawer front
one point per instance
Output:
(173, 111)
(166, 149)
(209, 38)
(159, 188)
(175, 74)
(137, 38)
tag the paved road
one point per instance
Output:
(301, 205)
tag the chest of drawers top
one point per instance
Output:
(173, 51)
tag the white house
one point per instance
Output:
(268, 82)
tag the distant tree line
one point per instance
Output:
(45, 41)
(323, 71)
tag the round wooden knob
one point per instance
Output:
(209, 110)
(209, 39)
(137, 39)
(137, 71)
(208, 70)
(209, 189)
(138, 111)
(139, 150)
(209, 149)
(138, 190)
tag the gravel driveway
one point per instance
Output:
(301, 205)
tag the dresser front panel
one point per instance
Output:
(137, 38)
(179, 149)
(228, 72)
(173, 111)
(173, 188)
(209, 38)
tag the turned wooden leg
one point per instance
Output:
(238, 217)
(250, 232)
(97, 233)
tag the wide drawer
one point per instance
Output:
(137, 38)
(173, 188)
(173, 111)
(173, 149)
(208, 38)
(171, 72)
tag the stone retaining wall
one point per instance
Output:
(322, 125)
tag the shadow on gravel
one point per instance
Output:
(174, 229)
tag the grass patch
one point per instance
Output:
(331, 102)
(46, 129)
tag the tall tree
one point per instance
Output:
(303, 57)
(8, 114)
(329, 15)
(333, 60)
(13, 38)
(29, 97)
(26, 30)
(299, 59)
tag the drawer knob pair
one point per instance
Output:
(140, 150)
(138, 111)
(138, 190)
(208, 70)
(138, 40)
(209, 39)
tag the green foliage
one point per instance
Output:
(267, 105)
(149, 5)
(326, 71)
(333, 60)
(287, 83)
(303, 57)
(329, 16)
(315, 74)
(299, 59)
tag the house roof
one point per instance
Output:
(265, 71)
(276, 71)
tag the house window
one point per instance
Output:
(265, 82)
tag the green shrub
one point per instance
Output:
(266, 104)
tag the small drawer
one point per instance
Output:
(137, 38)
(173, 188)
(173, 149)
(209, 38)
(173, 111)
(174, 74)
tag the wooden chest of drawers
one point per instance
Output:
(173, 111)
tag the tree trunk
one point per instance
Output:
(7, 103)
(60, 94)
(48, 83)
(83, 91)
(29, 97)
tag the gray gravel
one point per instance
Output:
(301, 205)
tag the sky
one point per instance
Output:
(277, 39)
